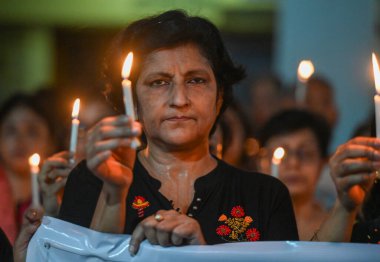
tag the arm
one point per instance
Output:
(353, 169)
(110, 158)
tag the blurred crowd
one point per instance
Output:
(246, 136)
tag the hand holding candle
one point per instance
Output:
(376, 98)
(304, 72)
(278, 154)
(34, 161)
(127, 94)
(74, 129)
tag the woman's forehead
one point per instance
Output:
(188, 55)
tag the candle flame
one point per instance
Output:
(278, 154)
(34, 160)
(76, 106)
(305, 70)
(376, 72)
(127, 66)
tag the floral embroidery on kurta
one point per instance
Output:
(235, 228)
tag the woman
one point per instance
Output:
(305, 137)
(25, 129)
(173, 191)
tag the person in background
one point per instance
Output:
(25, 129)
(230, 139)
(305, 138)
(265, 95)
(320, 99)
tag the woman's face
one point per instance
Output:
(177, 97)
(22, 134)
(302, 164)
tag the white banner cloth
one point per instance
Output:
(57, 240)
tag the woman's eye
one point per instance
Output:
(197, 80)
(159, 83)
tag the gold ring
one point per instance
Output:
(158, 217)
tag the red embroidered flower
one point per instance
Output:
(223, 230)
(140, 202)
(237, 211)
(252, 234)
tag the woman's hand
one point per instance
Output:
(31, 222)
(108, 152)
(167, 228)
(353, 168)
(52, 180)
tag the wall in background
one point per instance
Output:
(338, 35)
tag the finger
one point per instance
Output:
(163, 232)
(116, 132)
(55, 163)
(63, 154)
(149, 225)
(137, 237)
(32, 215)
(107, 123)
(98, 159)
(352, 166)
(366, 141)
(109, 144)
(356, 151)
(52, 164)
(120, 120)
(190, 233)
(176, 238)
(345, 183)
(52, 189)
(58, 173)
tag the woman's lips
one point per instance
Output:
(179, 118)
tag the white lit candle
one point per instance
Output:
(278, 154)
(305, 70)
(34, 161)
(376, 98)
(127, 94)
(74, 129)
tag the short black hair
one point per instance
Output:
(293, 120)
(168, 30)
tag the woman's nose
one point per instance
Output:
(179, 96)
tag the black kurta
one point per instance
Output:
(229, 204)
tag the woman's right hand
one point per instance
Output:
(353, 168)
(108, 152)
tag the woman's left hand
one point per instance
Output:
(167, 228)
